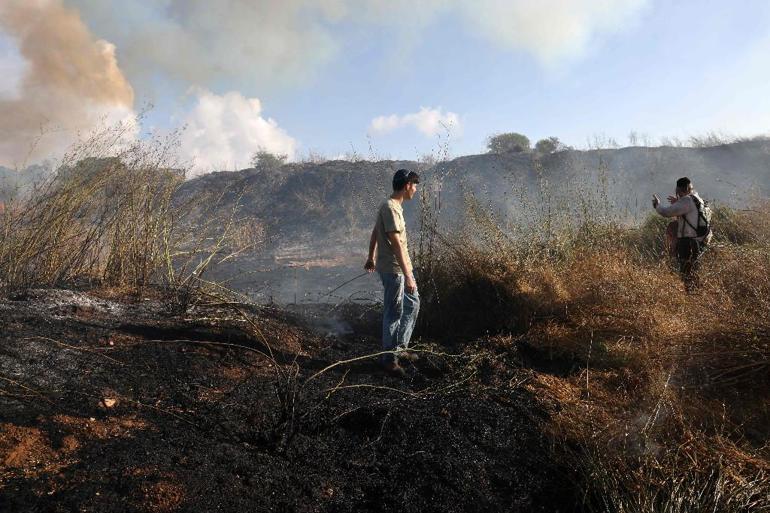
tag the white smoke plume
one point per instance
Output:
(71, 82)
(429, 122)
(71, 78)
(11, 69)
(224, 132)
(549, 29)
(253, 44)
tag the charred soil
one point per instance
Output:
(115, 403)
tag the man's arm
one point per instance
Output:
(403, 260)
(369, 265)
(679, 208)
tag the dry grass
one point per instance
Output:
(108, 216)
(663, 396)
(104, 214)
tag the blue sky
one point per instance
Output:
(321, 72)
(670, 74)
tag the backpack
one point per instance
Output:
(703, 227)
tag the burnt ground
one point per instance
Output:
(115, 404)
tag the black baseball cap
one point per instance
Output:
(403, 177)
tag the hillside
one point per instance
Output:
(317, 216)
(332, 202)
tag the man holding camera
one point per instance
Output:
(692, 232)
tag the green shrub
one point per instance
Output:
(511, 142)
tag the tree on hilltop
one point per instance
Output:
(264, 159)
(510, 142)
(549, 145)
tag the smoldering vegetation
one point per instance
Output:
(551, 314)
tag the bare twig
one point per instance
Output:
(83, 349)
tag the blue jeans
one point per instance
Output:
(399, 313)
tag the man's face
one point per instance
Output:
(411, 190)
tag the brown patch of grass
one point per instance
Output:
(662, 395)
(745, 227)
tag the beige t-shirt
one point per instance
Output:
(390, 218)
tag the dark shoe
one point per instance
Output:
(409, 356)
(394, 369)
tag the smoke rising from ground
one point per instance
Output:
(71, 81)
(223, 132)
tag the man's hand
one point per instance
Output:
(410, 285)
(672, 199)
(655, 201)
(369, 265)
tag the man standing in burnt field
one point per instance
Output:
(389, 256)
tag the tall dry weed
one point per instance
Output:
(109, 214)
(104, 214)
(663, 395)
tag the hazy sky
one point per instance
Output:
(336, 76)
